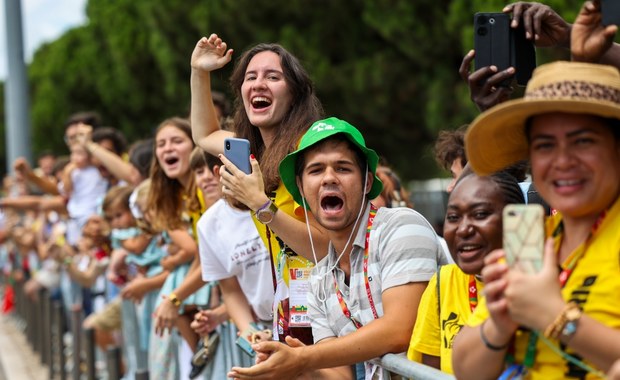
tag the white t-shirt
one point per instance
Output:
(229, 245)
(89, 188)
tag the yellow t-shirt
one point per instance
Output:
(433, 334)
(594, 285)
(285, 203)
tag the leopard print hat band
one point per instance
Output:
(496, 138)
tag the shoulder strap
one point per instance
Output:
(439, 294)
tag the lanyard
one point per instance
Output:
(473, 293)
(567, 269)
(343, 304)
(572, 260)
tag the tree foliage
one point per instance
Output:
(387, 66)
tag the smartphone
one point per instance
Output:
(610, 10)
(524, 236)
(238, 152)
(498, 44)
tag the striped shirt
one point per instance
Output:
(404, 248)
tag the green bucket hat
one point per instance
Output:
(320, 131)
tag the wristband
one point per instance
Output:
(488, 344)
(265, 205)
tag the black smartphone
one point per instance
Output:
(610, 10)
(496, 43)
(238, 152)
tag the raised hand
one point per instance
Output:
(485, 84)
(590, 39)
(541, 23)
(210, 54)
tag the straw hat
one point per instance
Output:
(496, 138)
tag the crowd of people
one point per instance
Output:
(316, 262)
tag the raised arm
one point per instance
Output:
(20, 165)
(208, 55)
(591, 41)
(119, 168)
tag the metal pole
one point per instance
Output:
(76, 332)
(89, 348)
(59, 319)
(16, 103)
(114, 363)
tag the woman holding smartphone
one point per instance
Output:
(275, 104)
(472, 229)
(557, 323)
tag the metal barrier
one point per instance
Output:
(399, 364)
(45, 329)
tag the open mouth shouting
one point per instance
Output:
(331, 204)
(260, 102)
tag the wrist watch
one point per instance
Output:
(572, 316)
(266, 213)
(174, 300)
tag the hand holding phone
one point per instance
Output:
(524, 236)
(498, 44)
(237, 151)
(610, 11)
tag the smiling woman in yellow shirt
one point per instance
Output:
(472, 229)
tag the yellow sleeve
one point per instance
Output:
(426, 337)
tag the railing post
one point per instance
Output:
(76, 327)
(59, 321)
(114, 363)
(44, 299)
(89, 348)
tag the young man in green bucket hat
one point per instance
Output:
(376, 269)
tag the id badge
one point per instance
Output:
(299, 286)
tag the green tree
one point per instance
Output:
(388, 66)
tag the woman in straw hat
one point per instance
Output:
(557, 323)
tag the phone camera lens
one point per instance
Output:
(491, 21)
(482, 20)
(482, 31)
(227, 145)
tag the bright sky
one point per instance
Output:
(42, 21)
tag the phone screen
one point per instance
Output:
(524, 236)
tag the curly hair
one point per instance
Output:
(449, 146)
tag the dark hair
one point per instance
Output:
(109, 133)
(201, 158)
(507, 183)
(221, 102)
(305, 109)
(87, 117)
(612, 123)
(393, 192)
(46, 153)
(449, 146)
(141, 155)
(60, 164)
